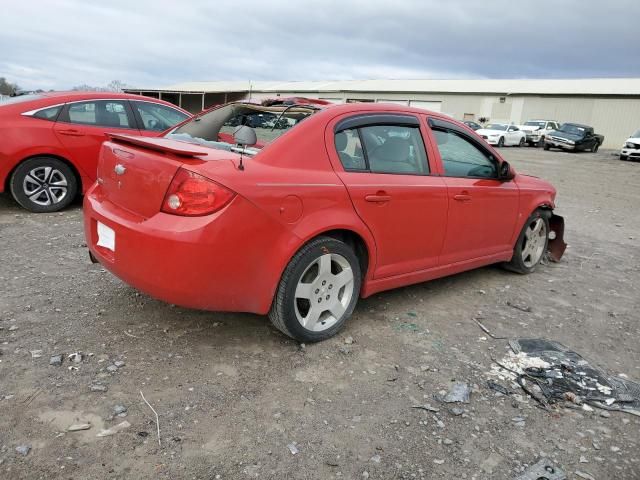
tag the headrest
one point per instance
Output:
(341, 141)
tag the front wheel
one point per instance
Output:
(623, 157)
(595, 147)
(318, 291)
(546, 146)
(501, 142)
(540, 142)
(521, 144)
(43, 184)
(531, 244)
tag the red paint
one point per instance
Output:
(414, 227)
(23, 137)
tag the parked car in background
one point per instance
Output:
(472, 125)
(574, 137)
(537, 129)
(631, 148)
(502, 134)
(345, 204)
(49, 142)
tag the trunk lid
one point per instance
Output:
(135, 172)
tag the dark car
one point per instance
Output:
(472, 125)
(574, 137)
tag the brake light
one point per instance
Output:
(192, 195)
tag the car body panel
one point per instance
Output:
(631, 148)
(293, 190)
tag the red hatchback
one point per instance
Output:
(341, 202)
(50, 141)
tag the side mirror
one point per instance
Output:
(245, 136)
(505, 172)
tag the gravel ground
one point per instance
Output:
(233, 395)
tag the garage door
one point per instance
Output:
(433, 106)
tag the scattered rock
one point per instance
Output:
(79, 426)
(115, 429)
(35, 353)
(76, 357)
(584, 475)
(112, 369)
(55, 360)
(583, 459)
(376, 459)
(447, 441)
(348, 340)
(459, 392)
(293, 449)
(605, 414)
(119, 363)
(13, 328)
(456, 411)
(98, 388)
(615, 449)
(23, 450)
(438, 462)
(118, 409)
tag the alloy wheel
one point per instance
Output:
(45, 186)
(324, 292)
(535, 240)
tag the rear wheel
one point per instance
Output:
(318, 291)
(43, 184)
(501, 142)
(540, 142)
(531, 244)
(546, 146)
(595, 147)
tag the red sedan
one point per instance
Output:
(50, 141)
(342, 202)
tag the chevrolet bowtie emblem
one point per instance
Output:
(120, 169)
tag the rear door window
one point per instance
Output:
(104, 113)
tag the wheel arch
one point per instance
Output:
(76, 172)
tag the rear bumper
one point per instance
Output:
(195, 262)
(557, 245)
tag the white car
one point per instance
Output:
(537, 129)
(631, 148)
(501, 134)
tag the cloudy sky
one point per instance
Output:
(150, 43)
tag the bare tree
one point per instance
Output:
(7, 88)
(116, 86)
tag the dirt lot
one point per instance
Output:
(232, 393)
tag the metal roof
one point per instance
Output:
(589, 86)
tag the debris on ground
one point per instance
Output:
(23, 450)
(486, 330)
(348, 340)
(35, 353)
(427, 407)
(76, 357)
(584, 475)
(119, 409)
(550, 372)
(98, 388)
(55, 360)
(79, 426)
(496, 387)
(544, 469)
(519, 306)
(115, 429)
(459, 392)
(293, 449)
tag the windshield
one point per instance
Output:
(534, 124)
(215, 128)
(496, 126)
(636, 134)
(572, 129)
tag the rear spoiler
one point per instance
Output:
(160, 145)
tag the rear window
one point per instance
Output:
(50, 113)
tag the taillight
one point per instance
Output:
(192, 195)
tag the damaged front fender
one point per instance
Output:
(557, 245)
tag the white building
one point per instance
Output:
(611, 106)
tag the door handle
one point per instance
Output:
(378, 197)
(462, 197)
(71, 132)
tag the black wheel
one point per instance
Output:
(521, 144)
(43, 184)
(501, 142)
(623, 157)
(540, 142)
(318, 291)
(546, 146)
(595, 147)
(531, 244)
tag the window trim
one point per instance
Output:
(376, 119)
(444, 126)
(63, 117)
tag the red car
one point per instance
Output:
(349, 200)
(50, 141)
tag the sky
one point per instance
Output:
(58, 44)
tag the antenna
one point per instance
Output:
(241, 165)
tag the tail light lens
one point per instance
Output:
(193, 195)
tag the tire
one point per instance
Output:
(43, 184)
(623, 157)
(501, 142)
(546, 146)
(540, 142)
(303, 308)
(594, 149)
(531, 244)
(522, 142)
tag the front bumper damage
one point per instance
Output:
(557, 245)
